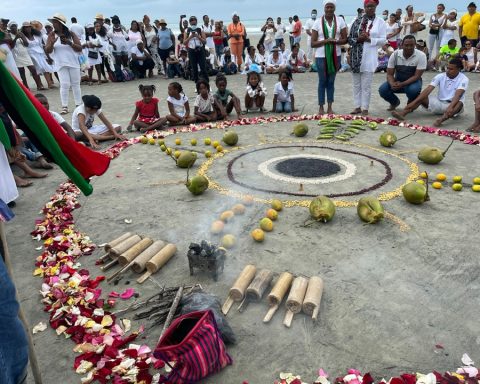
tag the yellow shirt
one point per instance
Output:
(470, 24)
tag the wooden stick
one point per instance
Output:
(32, 356)
(287, 321)
(124, 245)
(158, 261)
(109, 265)
(277, 294)
(172, 311)
(131, 253)
(313, 297)
(141, 260)
(104, 257)
(237, 292)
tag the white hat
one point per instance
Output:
(89, 25)
(325, 2)
(10, 23)
(60, 18)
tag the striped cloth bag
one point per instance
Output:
(194, 344)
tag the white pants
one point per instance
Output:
(310, 50)
(69, 77)
(362, 89)
(8, 188)
(439, 107)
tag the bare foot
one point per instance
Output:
(399, 115)
(392, 107)
(356, 111)
(42, 163)
(321, 111)
(438, 122)
(22, 183)
(35, 175)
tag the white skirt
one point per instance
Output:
(21, 56)
(8, 188)
(40, 62)
(10, 61)
(93, 62)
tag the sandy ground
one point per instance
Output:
(390, 296)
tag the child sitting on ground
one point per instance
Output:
(205, 104)
(228, 62)
(174, 68)
(256, 92)
(222, 95)
(82, 123)
(283, 97)
(146, 116)
(42, 99)
(178, 106)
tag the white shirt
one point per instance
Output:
(308, 27)
(299, 60)
(78, 30)
(204, 105)
(280, 31)
(447, 87)
(320, 51)
(80, 110)
(135, 51)
(449, 33)
(178, 104)
(271, 62)
(282, 94)
(391, 29)
(378, 37)
(64, 55)
(262, 91)
(58, 118)
(208, 29)
(233, 59)
(269, 35)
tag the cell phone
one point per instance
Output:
(183, 16)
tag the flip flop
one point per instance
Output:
(356, 112)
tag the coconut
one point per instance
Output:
(415, 193)
(388, 139)
(370, 210)
(430, 155)
(230, 138)
(322, 209)
(197, 185)
(186, 159)
(300, 129)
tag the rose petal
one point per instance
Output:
(40, 327)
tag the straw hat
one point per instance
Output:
(60, 18)
(162, 21)
(36, 24)
(26, 24)
(99, 16)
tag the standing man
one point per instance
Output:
(195, 41)
(450, 98)
(404, 73)
(469, 25)
(290, 31)
(77, 29)
(297, 30)
(308, 30)
(280, 32)
(208, 31)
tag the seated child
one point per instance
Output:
(174, 68)
(222, 95)
(82, 123)
(205, 104)
(255, 93)
(59, 119)
(446, 53)
(283, 95)
(228, 62)
(146, 116)
(178, 106)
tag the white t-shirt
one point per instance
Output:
(208, 29)
(282, 94)
(135, 51)
(58, 118)
(308, 26)
(78, 30)
(204, 105)
(271, 62)
(391, 29)
(320, 51)
(178, 105)
(447, 87)
(280, 31)
(80, 110)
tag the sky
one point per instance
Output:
(85, 10)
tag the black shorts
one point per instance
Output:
(164, 53)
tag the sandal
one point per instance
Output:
(356, 111)
(64, 111)
(365, 112)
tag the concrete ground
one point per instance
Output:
(390, 296)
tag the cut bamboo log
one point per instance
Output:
(117, 241)
(131, 253)
(158, 261)
(140, 261)
(277, 294)
(295, 299)
(124, 245)
(257, 288)
(313, 297)
(237, 292)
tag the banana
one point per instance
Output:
(325, 137)
(342, 138)
(373, 125)
(357, 122)
(353, 130)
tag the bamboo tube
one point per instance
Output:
(313, 297)
(257, 288)
(113, 243)
(295, 299)
(138, 265)
(158, 261)
(131, 253)
(237, 292)
(124, 245)
(277, 293)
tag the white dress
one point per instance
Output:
(20, 54)
(449, 34)
(92, 61)
(8, 188)
(39, 58)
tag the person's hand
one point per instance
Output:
(93, 144)
(49, 60)
(120, 137)
(396, 85)
(52, 38)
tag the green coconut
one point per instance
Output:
(186, 159)
(415, 193)
(322, 209)
(230, 138)
(197, 185)
(300, 129)
(370, 210)
(431, 155)
(388, 139)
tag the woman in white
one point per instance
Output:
(275, 62)
(104, 50)
(367, 34)
(269, 30)
(471, 53)
(65, 47)
(436, 31)
(450, 26)
(149, 33)
(21, 56)
(134, 34)
(393, 31)
(93, 45)
(412, 22)
(329, 33)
